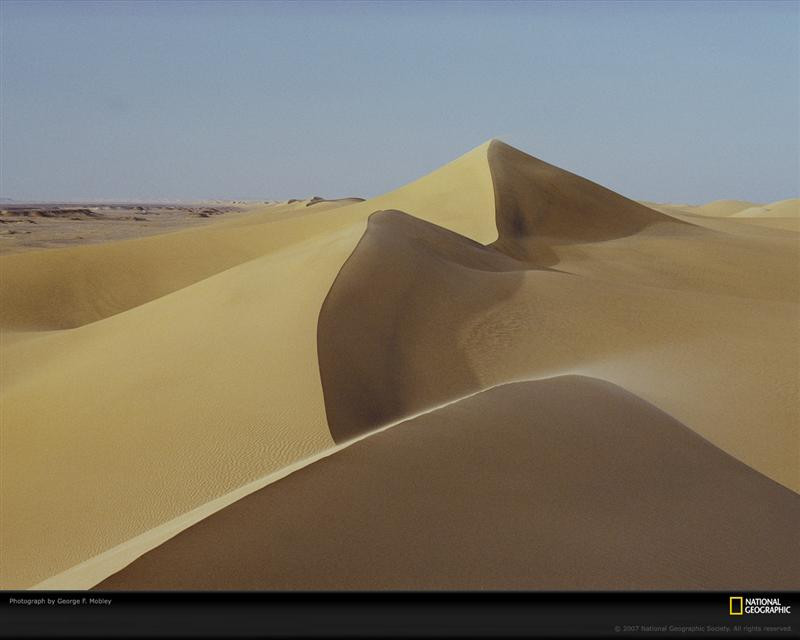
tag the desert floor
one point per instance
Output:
(499, 376)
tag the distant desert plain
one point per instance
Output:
(500, 376)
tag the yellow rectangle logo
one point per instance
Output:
(737, 605)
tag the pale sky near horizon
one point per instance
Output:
(680, 102)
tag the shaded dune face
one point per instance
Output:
(568, 482)
(538, 204)
(386, 332)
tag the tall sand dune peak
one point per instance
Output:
(366, 371)
(537, 202)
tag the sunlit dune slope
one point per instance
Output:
(71, 287)
(65, 288)
(192, 368)
(117, 426)
(565, 483)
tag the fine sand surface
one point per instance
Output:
(563, 483)
(149, 379)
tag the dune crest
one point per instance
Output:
(386, 356)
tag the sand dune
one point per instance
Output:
(784, 214)
(66, 288)
(525, 486)
(748, 227)
(454, 317)
(190, 366)
(723, 207)
(538, 205)
(784, 224)
(714, 209)
(160, 409)
(388, 356)
(71, 287)
(160, 374)
(782, 209)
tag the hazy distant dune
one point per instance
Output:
(724, 207)
(782, 209)
(783, 214)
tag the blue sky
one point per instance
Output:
(682, 102)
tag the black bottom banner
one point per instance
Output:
(399, 615)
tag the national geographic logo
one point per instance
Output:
(739, 606)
